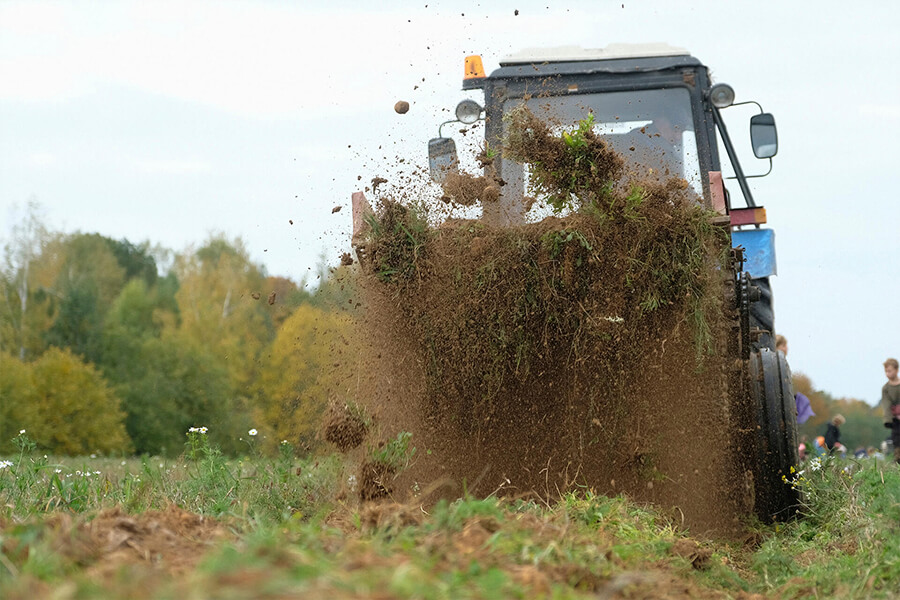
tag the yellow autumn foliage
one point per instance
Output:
(63, 403)
(307, 364)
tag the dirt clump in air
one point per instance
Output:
(466, 190)
(463, 189)
(585, 350)
(376, 480)
(346, 426)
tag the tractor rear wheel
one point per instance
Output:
(762, 315)
(776, 435)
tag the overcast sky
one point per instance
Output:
(167, 121)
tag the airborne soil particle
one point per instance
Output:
(376, 181)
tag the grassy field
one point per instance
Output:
(204, 526)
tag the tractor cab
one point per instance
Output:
(653, 103)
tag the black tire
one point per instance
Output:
(776, 439)
(762, 315)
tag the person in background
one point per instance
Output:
(781, 343)
(890, 402)
(833, 435)
(804, 409)
(819, 445)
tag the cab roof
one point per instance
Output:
(532, 56)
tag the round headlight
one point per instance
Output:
(468, 111)
(721, 95)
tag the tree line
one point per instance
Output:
(113, 347)
(109, 346)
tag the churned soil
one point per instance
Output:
(171, 541)
(583, 351)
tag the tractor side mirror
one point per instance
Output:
(763, 135)
(441, 158)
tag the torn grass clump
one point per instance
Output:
(493, 307)
(396, 240)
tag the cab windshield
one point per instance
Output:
(652, 129)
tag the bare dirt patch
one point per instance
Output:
(171, 541)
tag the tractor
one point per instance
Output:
(657, 106)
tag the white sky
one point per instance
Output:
(171, 120)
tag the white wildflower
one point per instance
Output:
(5, 464)
(252, 432)
(57, 471)
(93, 456)
(21, 432)
(203, 430)
(815, 464)
(123, 463)
(284, 441)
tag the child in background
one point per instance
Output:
(833, 435)
(804, 409)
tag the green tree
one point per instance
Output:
(16, 398)
(87, 284)
(182, 385)
(221, 307)
(65, 406)
(167, 380)
(21, 322)
(137, 260)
